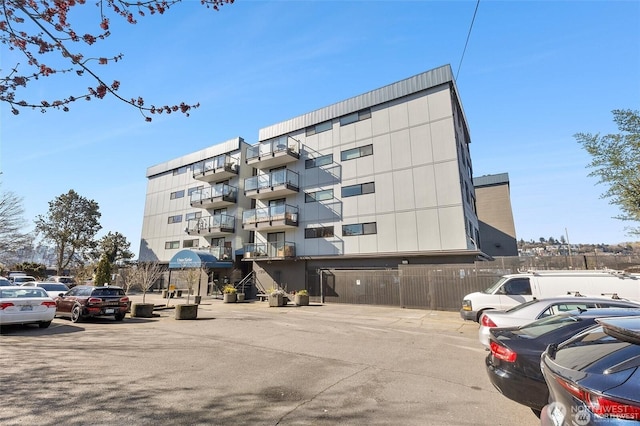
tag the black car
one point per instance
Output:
(84, 301)
(594, 378)
(513, 365)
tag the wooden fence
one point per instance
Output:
(437, 287)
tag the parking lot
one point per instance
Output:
(247, 363)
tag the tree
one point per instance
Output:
(615, 160)
(49, 36)
(103, 273)
(115, 246)
(12, 223)
(71, 225)
(148, 274)
(37, 270)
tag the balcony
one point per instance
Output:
(274, 218)
(211, 226)
(216, 196)
(276, 184)
(270, 251)
(273, 153)
(221, 167)
(221, 252)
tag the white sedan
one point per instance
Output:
(53, 289)
(540, 308)
(26, 305)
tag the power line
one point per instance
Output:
(468, 35)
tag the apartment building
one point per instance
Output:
(375, 181)
(495, 216)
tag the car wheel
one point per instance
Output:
(45, 324)
(119, 317)
(76, 314)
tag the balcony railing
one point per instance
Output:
(215, 196)
(273, 217)
(211, 225)
(221, 253)
(268, 185)
(274, 152)
(277, 250)
(218, 168)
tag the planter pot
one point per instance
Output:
(186, 312)
(230, 297)
(142, 310)
(276, 300)
(301, 299)
(240, 297)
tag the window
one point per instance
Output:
(359, 229)
(362, 151)
(356, 116)
(180, 170)
(516, 287)
(177, 194)
(190, 243)
(319, 232)
(175, 219)
(195, 215)
(323, 195)
(172, 245)
(194, 189)
(319, 128)
(363, 188)
(317, 162)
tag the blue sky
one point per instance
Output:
(534, 74)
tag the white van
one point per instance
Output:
(511, 290)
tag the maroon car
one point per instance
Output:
(85, 301)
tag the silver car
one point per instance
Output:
(540, 308)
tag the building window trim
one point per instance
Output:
(171, 245)
(352, 154)
(319, 232)
(354, 117)
(176, 194)
(359, 189)
(174, 219)
(357, 229)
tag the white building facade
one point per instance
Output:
(374, 181)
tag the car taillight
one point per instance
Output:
(502, 352)
(48, 304)
(6, 305)
(124, 300)
(601, 405)
(488, 322)
(94, 300)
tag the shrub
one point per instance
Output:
(229, 289)
(303, 293)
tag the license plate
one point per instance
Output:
(26, 308)
(109, 311)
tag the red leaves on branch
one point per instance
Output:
(55, 34)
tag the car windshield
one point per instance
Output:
(54, 287)
(495, 286)
(545, 325)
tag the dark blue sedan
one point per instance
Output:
(513, 365)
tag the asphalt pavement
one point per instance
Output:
(251, 364)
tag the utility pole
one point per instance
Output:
(569, 247)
